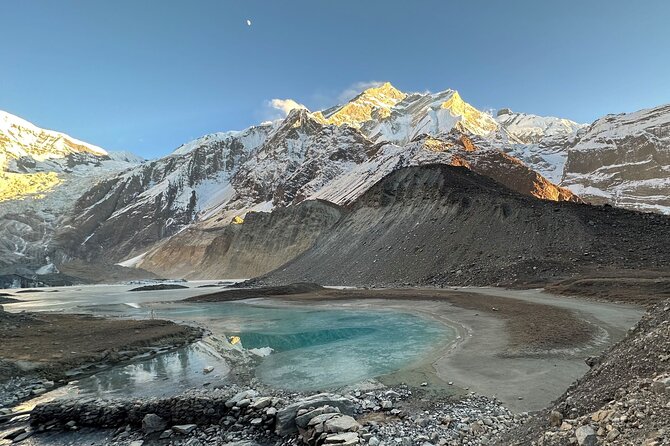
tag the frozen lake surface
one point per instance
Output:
(312, 348)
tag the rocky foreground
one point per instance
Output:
(623, 400)
(398, 416)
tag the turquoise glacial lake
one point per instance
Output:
(312, 348)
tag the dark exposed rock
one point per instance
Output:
(443, 225)
(160, 287)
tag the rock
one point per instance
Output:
(555, 418)
(343, 439)
(166, 434)
(23, 436)
(286, 416)
(208, 369)
(261, 403)
(320, 419)
(601, 415)
(343, 423)
(243, 402)
(423, 422)
(613, 435)
(477, 428)
(256, 421)
(14, 433)
(387, 405)
(247, 394)
(424, 384)
(136, 443)
(373, 441)
(184, 429)
(586, 436)
(305, 419)
(661, 385)
(566, 426)
(153, 423)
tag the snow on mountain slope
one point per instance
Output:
(125, 213)
(214, 179)
(20, 138)
(453, 148)
(386, 114)
(42, 173)
(372, 104)
(334, 155)
(624, 160)
(531, 129)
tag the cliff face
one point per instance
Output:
(624, 160)
(42, 173)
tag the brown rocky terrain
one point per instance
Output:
(50, 344)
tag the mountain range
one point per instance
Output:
(188, 214)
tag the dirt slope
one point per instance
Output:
(440, 225)
(264, 242)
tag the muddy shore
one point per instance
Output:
(48, 345)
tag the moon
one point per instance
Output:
(248, 22)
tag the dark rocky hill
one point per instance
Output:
(441, 225)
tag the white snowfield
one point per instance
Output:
(24, 139)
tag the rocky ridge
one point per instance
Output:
(223, 416)
(440, 225)
(305, 156)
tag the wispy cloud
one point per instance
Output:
(285, 105)
(354, 89)
(280, 108)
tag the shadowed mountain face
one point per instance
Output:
(440, 225)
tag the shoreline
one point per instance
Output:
(487, 358)
(524, 380)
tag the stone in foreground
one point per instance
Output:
(153, 423)
(286, 416)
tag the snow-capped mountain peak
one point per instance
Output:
(20, 138)
(373, 103)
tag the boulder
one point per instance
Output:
(245, 395)
(586, 436)
(261, 403)
(286, 416)
(304, 419)
(343, 439)
(343, 423)
(319, 419)
(184, 429)
(153, 423)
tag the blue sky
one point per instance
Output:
(149, 75)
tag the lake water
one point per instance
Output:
(312, 348)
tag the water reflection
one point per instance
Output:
(164, 375)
